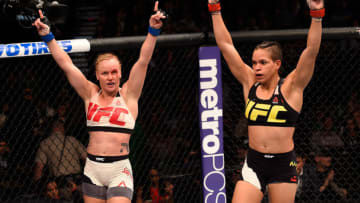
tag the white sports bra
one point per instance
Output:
(112, 118)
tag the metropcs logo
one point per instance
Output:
(30, 48)
(211, 132)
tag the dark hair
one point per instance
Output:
(43, 183)
(275, 51)
(56, 123)
(323, 152)
(274, 47)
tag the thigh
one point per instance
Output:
(282, 192)
(118, 200)
(88, 199)
(246, 193)
(121, 183)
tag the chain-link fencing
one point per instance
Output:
(35, 92)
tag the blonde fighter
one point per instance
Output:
(111, 114)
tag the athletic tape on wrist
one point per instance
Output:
(317, 19)
(214, 7)
(153, 31)
(317, 13)
(47, 38)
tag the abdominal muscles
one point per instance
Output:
(269, 139)
(108, 143)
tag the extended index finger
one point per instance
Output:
(41, 14)
(156, 5)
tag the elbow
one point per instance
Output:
(143, 62)
(221, 46)
(313, 51)
(313, 48)
(64, 63)
(224, 46)
(223, 40)
(224, 43)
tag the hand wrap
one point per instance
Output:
(156, 32)
(214, 7)
(317, 13)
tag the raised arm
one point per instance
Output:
(74, 75)
(302, 75)
(242, 72)
(138, 71)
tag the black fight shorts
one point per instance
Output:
(262, 169)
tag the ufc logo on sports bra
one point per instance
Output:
(95, 113)
(267, 111)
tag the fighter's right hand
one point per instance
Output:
(156, 19)
(315, 4)
(214, 6)
(213, 1)
(41, 27)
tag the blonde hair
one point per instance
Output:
(105, 56)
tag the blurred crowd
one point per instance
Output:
(127, 18)
(36, 109)
(111, 18)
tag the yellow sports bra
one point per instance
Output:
(273, 112)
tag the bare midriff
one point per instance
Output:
(108, 143)
(269, 139)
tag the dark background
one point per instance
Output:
(111, 18)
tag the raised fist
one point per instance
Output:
(315, 4)
(42, 28)
(156, 19)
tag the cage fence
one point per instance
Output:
(35, 92)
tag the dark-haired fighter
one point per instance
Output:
(273, 105)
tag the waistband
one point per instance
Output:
(106, 159)
(109, 129)
(255, 153)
